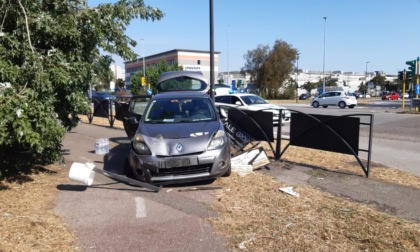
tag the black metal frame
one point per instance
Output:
(366, 169)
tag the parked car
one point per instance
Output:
(391, 96)
(357, 95)
(334, 98)
(100, 96)
(176, 136)
(404, 95)
(221, 89)
(254, 102)
(304, 96)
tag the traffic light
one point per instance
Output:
(412, 66)
(400, 75)
(143, 81)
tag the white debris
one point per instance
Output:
(290, 191)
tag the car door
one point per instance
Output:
(132, 113)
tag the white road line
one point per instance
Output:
(140, 208)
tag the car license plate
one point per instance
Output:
(177, 162)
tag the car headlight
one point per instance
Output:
(218, 141)
(139, 146)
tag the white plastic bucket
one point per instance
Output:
(82, 173)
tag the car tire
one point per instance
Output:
(342, 105)
(325, 106)
(315, 104)
(352, 106)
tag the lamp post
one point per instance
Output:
(366, 78)
(297, 74)
(227, 64)
(323, 65)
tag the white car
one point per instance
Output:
(222, 89)
(253, 102)
(334, 98)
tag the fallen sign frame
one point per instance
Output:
(322, 128)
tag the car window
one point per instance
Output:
(138, 105)
(223, 99)
(235, 100)
(182, 83)
(253, 99)
(180, 110)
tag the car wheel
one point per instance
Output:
(325, 106)
(315, 104)
(342, 104)
(352, 106)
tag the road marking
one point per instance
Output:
(140, 208)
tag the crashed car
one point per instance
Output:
(176, 135)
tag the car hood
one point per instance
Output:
(178, 138)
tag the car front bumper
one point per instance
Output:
(180, 169)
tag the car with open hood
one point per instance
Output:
(176, 135)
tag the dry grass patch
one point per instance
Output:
(332, 161)
(256, 216)
(27, 221)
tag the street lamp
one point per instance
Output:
(227, 64)
(366, 78)
(323, 65)
(297, 74)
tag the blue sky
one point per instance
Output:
(384, 33)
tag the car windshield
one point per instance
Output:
(180, 110)
(253, 100)
(182, 83)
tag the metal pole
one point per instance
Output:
(211, 51)
(366, 78)
(144, 66)
(227, 64)
(297, 74)
(323, 65)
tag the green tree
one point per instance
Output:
(308, 86)
(277, 67)
(270, 68)
(152, 75)
(254, 60)
(49, 56)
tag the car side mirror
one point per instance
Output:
(223, 113)
(238, 103)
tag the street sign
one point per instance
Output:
(418, 89)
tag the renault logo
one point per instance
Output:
(178, 147)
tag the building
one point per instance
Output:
(348, 81)
(189, 60)
(118, 73)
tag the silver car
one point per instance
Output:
(334, 98)
(179, 137)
